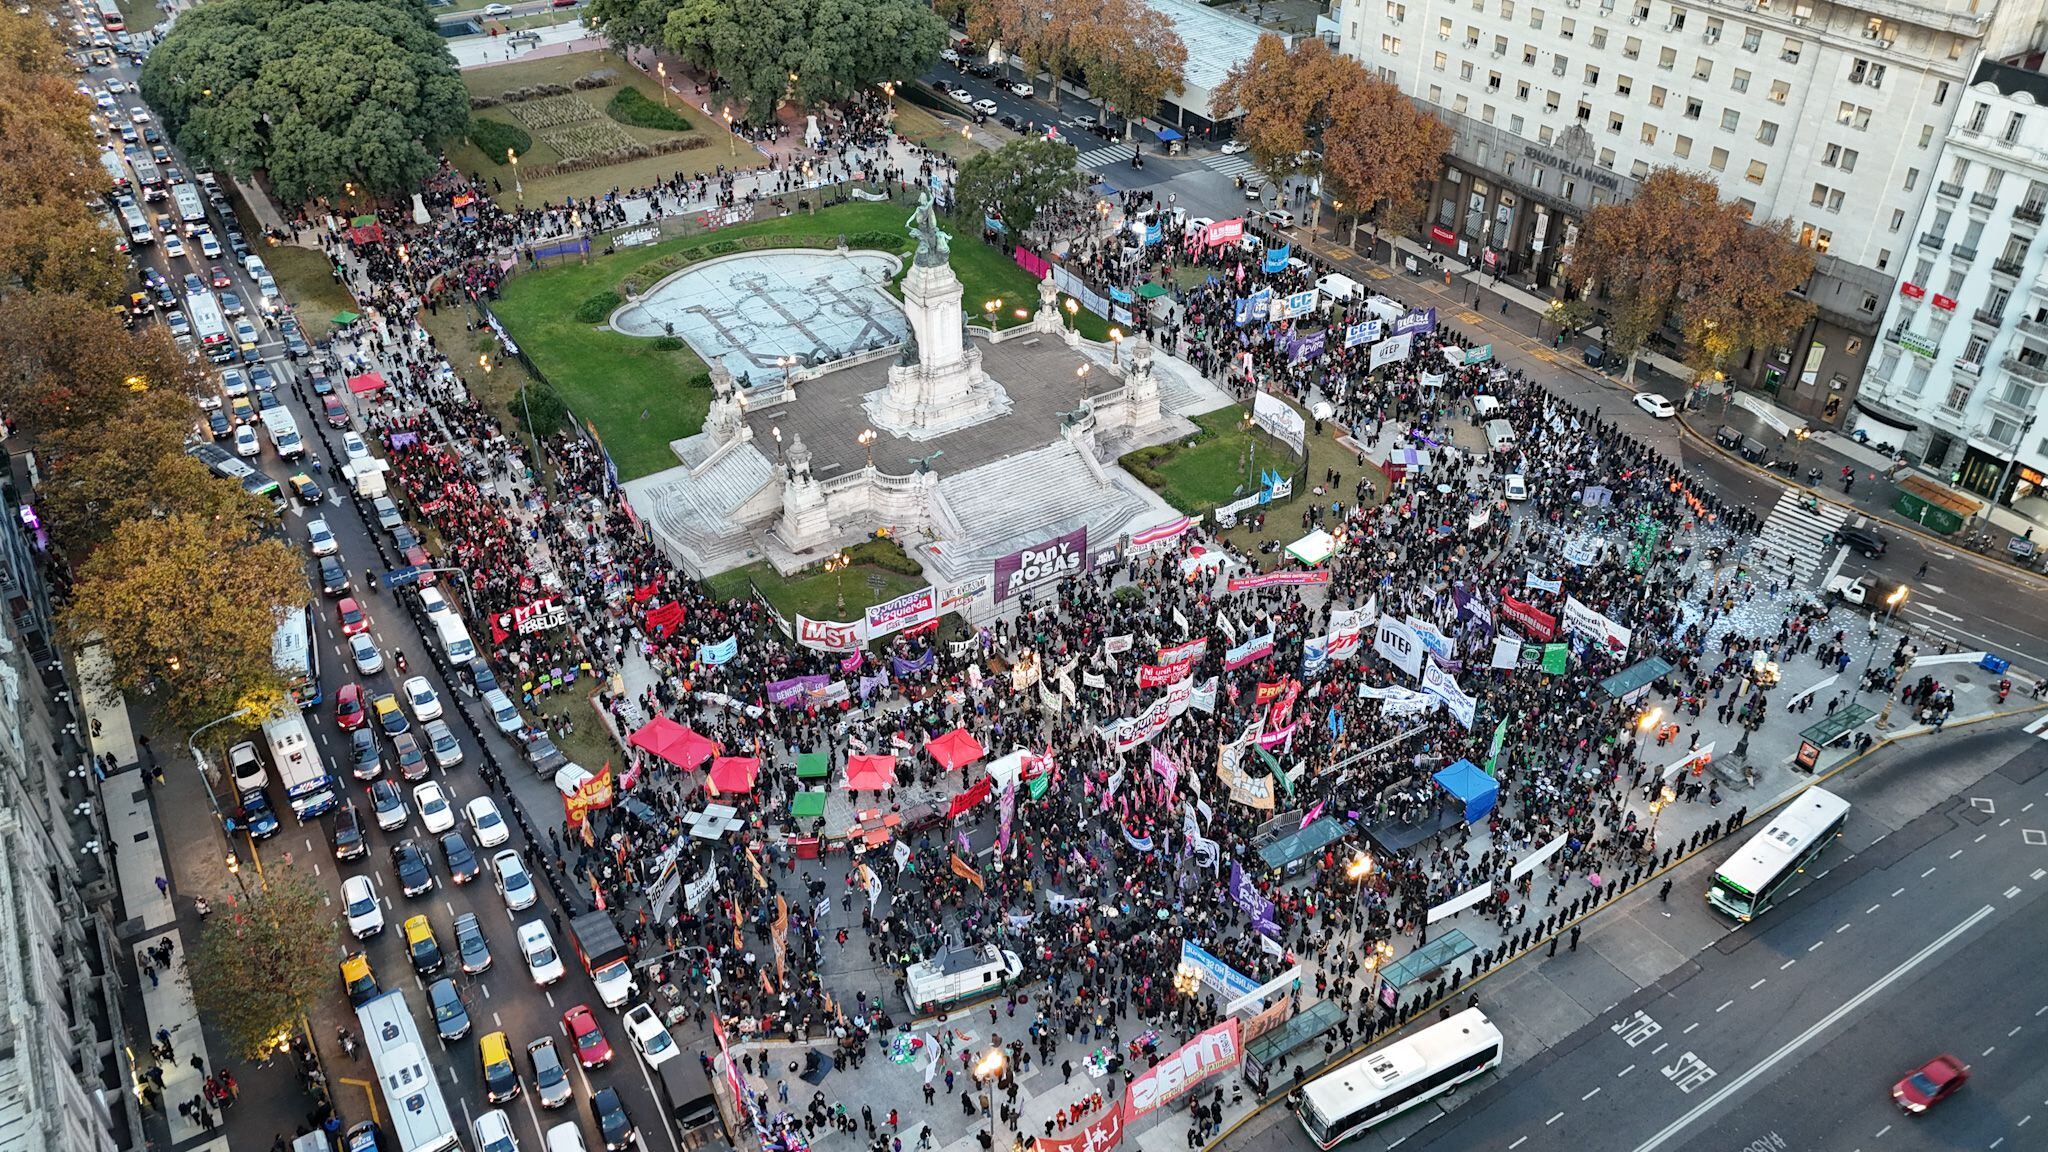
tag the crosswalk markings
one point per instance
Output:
(1799, 538)
(1105, 156)
(1238, 165)
(2039, 728)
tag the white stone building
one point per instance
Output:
(1831, 116)
(1961, 376)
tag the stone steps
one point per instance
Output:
(1022, 500)
(691, 515)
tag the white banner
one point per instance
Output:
(1389, 351)
(1598, 630)
(1535, 859)
(1396, 641)
(1276, 416)
(1702, 755)
(1507, 650)
(1461, 901)
(1443, 686)
(829, 635)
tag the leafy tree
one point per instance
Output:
(1050, 36)
(186, 607)
(1132, 58)
(1380, 151)
(1675, 252)
(807, 51)
(1017, 182)
(324, 96)
(132, 467)
(61, 248)
(66, 362)
(263, 962)
(629, 23)
(540, 409)
(50, 239)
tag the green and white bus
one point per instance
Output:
(1762, 872)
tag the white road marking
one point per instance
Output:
(2015, 1030)
(1815, 945)
(1590, 1095)
(1785, 965)
(1724, 1007)
(1930, 871)
(2012, 892)
(1666, 1044)
(1872, 908)
(1956, 853)
(1902, 891)
(1518, 1144)
(1624, 1071)
(1883, 1130)
(1989, 1051)
(1842, 929)
(1553, 1120)
(1758, 984)
(1741, 1082)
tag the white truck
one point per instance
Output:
(959, 975)
(284, 433)
(299, 768)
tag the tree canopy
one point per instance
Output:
(51, 240)
(1017, 182)
(806, 51)
(1378, 149)
(1677, 253)
(264, 962)
(322, 95)
(1130, 54)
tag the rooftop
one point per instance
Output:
(2009, 80)
(1216, 41)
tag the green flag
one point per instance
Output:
(1556, 658)
(1500, 733)
(1037, 785)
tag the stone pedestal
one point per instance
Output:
(1047, 318)
(937, 385)
(1141, 388)
(805, 522)
(726, 417)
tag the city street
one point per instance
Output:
(1670, 1027)
(504, 998)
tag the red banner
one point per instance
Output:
(1908, 288)
(1098, 1135)
(1442, 235)
(965, 801)
(1192, 650)
(1278, 579)
(1539, 624)
(1945, 303)
(1283, 708)
(1160, 675)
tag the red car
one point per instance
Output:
(592, 1049)
(348, 707)
(350, 615)
(337, 415)
(1930, 1084)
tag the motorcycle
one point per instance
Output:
(348, 1043)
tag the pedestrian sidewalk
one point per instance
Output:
(144, 876)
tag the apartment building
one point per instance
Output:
(1961, 376)
(1830, 116)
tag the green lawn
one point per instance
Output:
(1211, 469)
(308, 281)
(880, 571)
(640, 398)
(499, 79)
(140, 15)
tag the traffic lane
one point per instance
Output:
(1662, 1053)
(1948, 605)
(523, 1012)
(1982, 1003)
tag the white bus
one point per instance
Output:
(419, 1120)
(191, 208)
(1391, 1079)
(209, 327)
(295, 655)
(1760, 874)
(299, 767)
(139, 231)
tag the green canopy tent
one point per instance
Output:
(807, 804)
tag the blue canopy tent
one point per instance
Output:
(1166, 135)
(1475, 789)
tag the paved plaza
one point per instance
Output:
(753, 309)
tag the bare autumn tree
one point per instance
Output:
(1676, 252)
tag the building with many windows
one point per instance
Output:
(62, 1063)
(1830, 116)
(1960, 380)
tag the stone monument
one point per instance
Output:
(937, 385)
(1141, 388)
(805, 523)
(1047, 318)
(726, 417)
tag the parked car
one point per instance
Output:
(515, 883)
(1656, 405)
(359, 903)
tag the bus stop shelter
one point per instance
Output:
(1293, 848)
(1423, 965)
(1268, 1054)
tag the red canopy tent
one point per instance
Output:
(734, 773)
(674, 743)
(367, 382)
(955, 750)
(870, 773)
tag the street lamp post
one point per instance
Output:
(731, 144)
(867, 441)
(1891, 606)
(518, 189)
(1647, 721)
(1116, 346)
(836, 565)
(2005, 474)
(661, 70)
(1665, 796)
(199, 762)
(1073, 306)
(1359, 870)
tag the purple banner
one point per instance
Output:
(1307, 347)
(1248, 899)
(783, 693)
(1422, 320)
(1043, 565)
(904, 667)
(869, 683)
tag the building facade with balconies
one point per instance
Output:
(1960, 380)
(1828, 115)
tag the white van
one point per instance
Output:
(958, 975)
(1484, 406)
(504, 713)
(455, 641)
(1338, 287)
(1500, 435)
